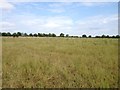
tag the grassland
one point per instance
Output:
(60, 62)
(0, 62)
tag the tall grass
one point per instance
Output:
(0, 62)
(60, 62)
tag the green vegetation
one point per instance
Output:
(19, 34)
(60, 62)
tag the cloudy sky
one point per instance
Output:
(73, 18)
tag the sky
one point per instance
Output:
(73, 18)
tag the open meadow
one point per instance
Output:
(59, 62)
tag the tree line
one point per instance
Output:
(19, 34)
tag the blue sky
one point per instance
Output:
(73, 18)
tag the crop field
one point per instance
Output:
(59, 62)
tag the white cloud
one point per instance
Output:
(98, 25)
(91, 4)
(64, 0)
(6, 5)
(87, 3)
(57, 10)
(95, 25)
(58, 7)
(100, 19)
(45, 24)
(7, 26)
(60, 4)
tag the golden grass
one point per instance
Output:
(60, 62)
(0, 62)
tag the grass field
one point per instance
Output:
(0, 62)
(60, 62)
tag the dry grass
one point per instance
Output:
(60, 62)
(0, 62)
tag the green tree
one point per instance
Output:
(67, 35)
(43, 34)
(30, 34)
(97, 36)
(8, 34)
(53, 35)
(35, 35)
(40, 34)
(89, 36)
(103, 36)
(24, 34)
(19, 33)
(113, 36)
(107, 36)
(84, 36)
(4, 34)
(15, 35)
(61, 35)
(117, 36)
(50, 35)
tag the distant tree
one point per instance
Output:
(75, 36)
(84, 36)
(47, 35)
(53, 35)
(97, 36)
(4, 34)
(117, 36)
(24, 34)
(71, 36)
(44, 34)
(15, 35)
(61, 35)
(8, 34)
(35, 35)
(50, 35)
(67, 35)
(19, 33)
(0, 34)
(103, 36)
(30, 34)
(113, 36)
(107, 36)
(89, 36)
(40, 34)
